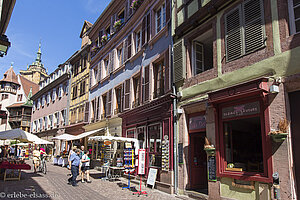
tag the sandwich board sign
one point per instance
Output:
(152, 177)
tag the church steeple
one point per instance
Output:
(39, 54)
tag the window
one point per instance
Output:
(109, 103)
(127, 94)
(51, 120)
(48, 97)
(107, 31)
(19, 98)
(106, 67)
(294, 10)
(43, 100)
(39, 104)
(104, 110)
(86, 111)
(136, 87)
(146, 84)
(57, 118)
(154, 142)
(121, 16)
(46, 123)
(74, 92)
(203, 53)
(119, 97)
(83, 63)
(41, 124)
(76, 68)
(4, 96)
(66, 88)
(33, 106)
(159, 79)
(60, 91)
(54, 94)
(82, 88)
(64, 116)
(138, 42)
(160, 18)
(146, 29)
(244, 28)
(120, 54)
(129, 46)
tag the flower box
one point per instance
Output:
(104, 38)
(117, 24)
(279, 137)
(136, 3)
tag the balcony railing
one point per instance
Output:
(158, 92)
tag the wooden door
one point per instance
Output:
(198, 162)
(294, 98)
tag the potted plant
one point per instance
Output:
(117, 24)
(282, 132)
(135, 4)
(104, 38)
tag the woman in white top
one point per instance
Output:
(85, 167)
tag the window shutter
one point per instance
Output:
(144, 30)
(179, 61)
(113, 60)
(167, 72)
(233, 38)
(98, 108)
(95, 109)
(127, 94)
(254, 29)
(148, 27)
(122, 97)
(146, 84)
(168, 10)
(125, 49)
(129, 46)
(109, 62)
(86, 114)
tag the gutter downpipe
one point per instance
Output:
(175, 164)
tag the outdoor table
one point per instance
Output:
(13, 167)
(115, 172)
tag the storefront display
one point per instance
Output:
(165, 153)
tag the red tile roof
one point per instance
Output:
(27, 84)
(10, 76)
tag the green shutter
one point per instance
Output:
(179, 61)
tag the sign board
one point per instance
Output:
(241, 110)
(107, 142)
(152, 177)
(198, 122)
(128, 145)
(180, 153)
(211, 168)
(142, 161)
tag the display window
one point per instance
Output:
(155, 142)
(244, 148)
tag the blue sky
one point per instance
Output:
(56, 23)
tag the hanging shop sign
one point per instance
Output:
(211, 168)
(142, 161)
(107, 142)
(198, 122)
(165, 153)
(128, 145)
(241, 110)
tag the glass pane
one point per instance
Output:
(296, 2)
(297, 23)
(297, 12)
(243, 145)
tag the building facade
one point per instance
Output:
(79, 84)
(15, 92)
(130, 90)
(36, 71)
(50, 110)
(237, 75)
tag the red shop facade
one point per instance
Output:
(244, 150)
(152, 125)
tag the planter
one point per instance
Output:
(210, 151)
(279, 137)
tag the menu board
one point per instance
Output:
(211, 168)
(165, 153)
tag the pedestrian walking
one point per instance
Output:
(74, 163)
(85, 167)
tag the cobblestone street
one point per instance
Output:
(54, 185)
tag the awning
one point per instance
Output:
(117, 139)
(85, 134)
(64, 136)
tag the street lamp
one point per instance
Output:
(4, 45)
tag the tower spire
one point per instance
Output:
(39, 54)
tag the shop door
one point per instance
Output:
(198, 162)
(294, 98)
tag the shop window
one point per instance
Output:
(141, 137)
(243, 145)
(244, 29)
(154, 133)
(203, 53)
(130, 133)
(294, 11)
(136, 87)
(160, 18)
(159, 79)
